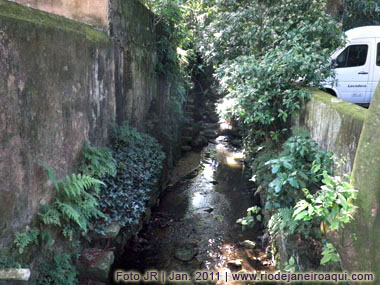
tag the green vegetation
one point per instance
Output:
(252, 215)
(177, 60)
(8, 261)
(60, 271)
(74, 206)
(329, 254)
(139, 160)
(22, 240)
(266, 54)
(298, 166)
(76, 201)
(332, 204)
(303, 201)
(358, 13)
(114, 185)
(99, 162)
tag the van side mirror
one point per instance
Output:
(333, 63)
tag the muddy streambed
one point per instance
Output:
(194, 227)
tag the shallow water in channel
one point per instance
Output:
(196, 220)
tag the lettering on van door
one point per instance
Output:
(356, 94)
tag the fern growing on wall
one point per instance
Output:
(50, 215)
(99, 161)
(74, 203)
(22, 240)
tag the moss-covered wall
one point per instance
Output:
(63, 82)
(334, 124)
(143, 93)
(131, 24)
(56, 90)
(94, 12)
(363, 234)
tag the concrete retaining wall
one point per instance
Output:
(61, 83)
(94, 12)
(335, 125)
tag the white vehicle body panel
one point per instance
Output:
(358, 66)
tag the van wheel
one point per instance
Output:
(331, 92)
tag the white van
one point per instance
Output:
(357, 66)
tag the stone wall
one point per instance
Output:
(131, 24)
(56, 90)
(335, 125)
(144, 94)
(93, 12)
(61, 83)
(358, 243)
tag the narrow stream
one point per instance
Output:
(194, 228)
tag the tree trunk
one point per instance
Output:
(336, 9)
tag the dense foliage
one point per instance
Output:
(265, 53)
(299, 166)
(70, 215)
(358, 13)
(60, 271)
(113, 186)
(75, 204)
(302, 198)
(139, 161)
(8, 261)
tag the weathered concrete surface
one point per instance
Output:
(335, 125)
(62, 82)
(15, 274)
(137, 81)
(144, 94)
(364, 232)
(94, 12)
(56, 90)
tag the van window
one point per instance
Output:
(378, 55)
(354, 55)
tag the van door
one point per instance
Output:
(374, 79)
(352, 71)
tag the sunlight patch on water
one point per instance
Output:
(232, 162)
(227, 156)
(225, 126)
(208, 171)
(198, 201)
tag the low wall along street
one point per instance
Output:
(335, 125)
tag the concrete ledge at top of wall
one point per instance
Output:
(91, 12)
(335, 125)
